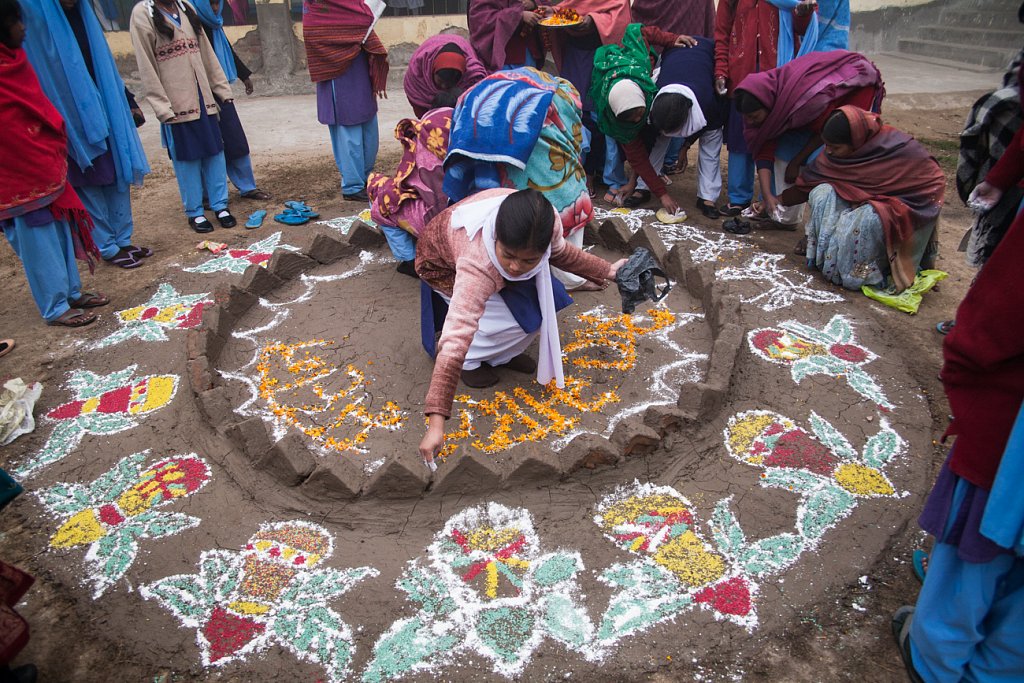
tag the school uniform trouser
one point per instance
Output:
(48, 256)
(709, 170)
(111, 211)
(741, 178)
(209, 173)
(240, 173)
(402, 245)
(355, 153)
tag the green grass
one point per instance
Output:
(945, 150)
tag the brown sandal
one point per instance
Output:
(90, 300)
(73, 317)
(5, 346)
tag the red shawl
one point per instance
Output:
(14, 583)
(33, 156)
(333, 32)
(984, 369)
(799, 91)
(610, 17)
(891, 171)
(492, 24)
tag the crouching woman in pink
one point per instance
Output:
(489, 258)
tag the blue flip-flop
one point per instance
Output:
(301, 207)
(291, 217)
(255, 219)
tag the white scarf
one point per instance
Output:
(695, 122)
(482, 215)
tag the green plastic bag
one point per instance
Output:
(909, 300)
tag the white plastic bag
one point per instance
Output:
(16, 403)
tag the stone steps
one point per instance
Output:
(998, 18)
(994, 58)
(962, 36)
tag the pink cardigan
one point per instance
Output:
(459, 268)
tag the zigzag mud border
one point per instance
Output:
(293, 464)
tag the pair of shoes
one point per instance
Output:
(73, 317)
(737, 226)
(481, 378)
(901, 621)
(255, 219)
(301, 207)
(90, 300)
(708, 209)
(638, 198)
(360, 196)
(200, 224)
(124, 259)
(225, 219)
(256, 194)
(521, 363)
(407, 268)
(731, 209)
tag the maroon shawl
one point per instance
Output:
(984, 363)
(333, 32)
(798, 92)
(33, 156)
(419, 77)
(610, 17)
(492, 23)
(686, 17)
(14, 583)
(894, 173)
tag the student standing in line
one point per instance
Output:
(183, 81)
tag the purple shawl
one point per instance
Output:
(799, 92)
(492, 23)
(419, 77)
(689, 17)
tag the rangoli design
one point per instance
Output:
(292, 381)
(832, 350)
(779, 288)
(823, 467)
(344, 223)
(677, 568)
(634, 218)
(237, 260)
(112, 514)
(710, 246)
(485, 587)
(103, 405)
(167, 310)
(274, 592)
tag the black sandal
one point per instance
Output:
(708, 209)
(124, 259)
(139, 252)
(256, 194)
(736, 226)
(638, 198)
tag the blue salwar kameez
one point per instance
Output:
(46, 250)
(345, 104)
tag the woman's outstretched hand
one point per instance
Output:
(433, 440)
(613, 269)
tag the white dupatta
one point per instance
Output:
(482, 216)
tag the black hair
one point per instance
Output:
(446, 98)
(165, 29)
(623, 116)
(10, 14)
(837, 129)
(670, 111)
(450, 77)
(525, 220)
(747, 103)
(451, 47)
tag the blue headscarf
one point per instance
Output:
(786, 38)
(221, 44)
(834, 27)
(93, 111)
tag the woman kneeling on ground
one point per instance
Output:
(875, 197)
(496, 243)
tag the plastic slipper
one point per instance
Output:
(256, 194)
(255, 219)
(291, 218)
(139, 252)
(301, 207)
(638, 198)
(90, 300)
(736, 226)
(73, 317)
(124, 259)
(945, 327)
(901, 621)
(5, 346)
(920, 562)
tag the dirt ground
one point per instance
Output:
(838, 633)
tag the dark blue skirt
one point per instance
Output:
(236, 145)
(193, 140)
